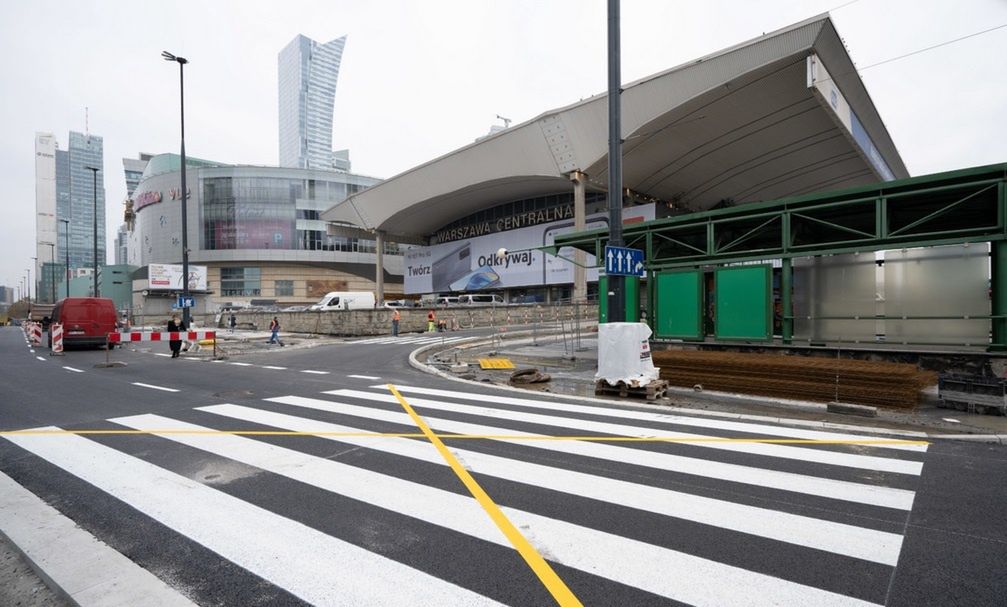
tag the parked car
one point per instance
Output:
(86, 321)
(480, 299)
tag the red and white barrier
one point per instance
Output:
(57, 338)
(120, 337)
(36, 333)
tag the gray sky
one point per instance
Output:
(420, 79)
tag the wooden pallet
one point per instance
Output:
(652, 391)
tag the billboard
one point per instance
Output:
(168, 277)
(473, 264)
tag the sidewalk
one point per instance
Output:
(573, 370)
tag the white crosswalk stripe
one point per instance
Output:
(431, 339)
(851, 460)
(619, 476)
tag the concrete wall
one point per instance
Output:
(378, 321)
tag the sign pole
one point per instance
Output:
(616, 283)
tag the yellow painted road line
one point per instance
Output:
(525, 437)
(542, 569)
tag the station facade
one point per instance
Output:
(782, 115)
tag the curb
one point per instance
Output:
(713, 396)
(73, 563)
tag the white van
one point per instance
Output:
(345, 300)
(480, 299)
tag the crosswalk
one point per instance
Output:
(413, 340)
(337, 499)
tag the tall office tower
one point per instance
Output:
(133, 169)
(46, 224)
(307, 90)
(85, 151)
(65, 189)
(122, 245)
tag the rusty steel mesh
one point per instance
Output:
(882, 384)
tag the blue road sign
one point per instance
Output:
(622, 261)
(186, 302)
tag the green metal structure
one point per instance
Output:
(964, 206)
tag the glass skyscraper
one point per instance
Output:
(84, 151)
(307, 90)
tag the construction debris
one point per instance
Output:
(883, 384)
(529, 376)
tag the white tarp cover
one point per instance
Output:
(624, 354)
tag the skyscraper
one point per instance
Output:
(307, 90)
(65, 189)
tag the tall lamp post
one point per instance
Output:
(52, 272)
(27, 283)
(181, 61)
(616, 284)
(66, 251)
(94, 173)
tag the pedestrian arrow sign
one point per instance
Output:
(622, 261)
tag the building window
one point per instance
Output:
(240, 281)
(284, 288)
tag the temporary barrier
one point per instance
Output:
(120, 337)
(56, 330)
(36, 333)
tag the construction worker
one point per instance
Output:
(396, 317)
(431, 321)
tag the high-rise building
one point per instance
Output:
(121, 245)
(133, 169)
(65, 188)
(46, 223)
(308, 72)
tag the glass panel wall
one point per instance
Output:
(835, 286)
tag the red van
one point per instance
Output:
(86, 320)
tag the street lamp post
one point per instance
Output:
(616, 284)
(27, 283)
(66, 251)
(94, 174)
(52, 272)
(184, 193)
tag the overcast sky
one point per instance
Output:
(419, 79)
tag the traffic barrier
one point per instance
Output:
(36, 334)
(120, 337)
(57, 338)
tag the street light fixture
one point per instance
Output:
(94, 173)
(181, 61)
(27, 284)
(66, 250)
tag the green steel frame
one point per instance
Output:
(965, 206)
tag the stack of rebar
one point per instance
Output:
(882, 384)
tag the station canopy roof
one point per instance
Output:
(744, 124)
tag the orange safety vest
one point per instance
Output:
(396, 315)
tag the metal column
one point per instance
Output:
(379, 268)
(786, 304)
(999, 288)
(579, 257)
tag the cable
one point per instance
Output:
(929, 48)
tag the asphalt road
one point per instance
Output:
(300, 477)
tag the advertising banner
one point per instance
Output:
(168, 277)
(474, 264)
